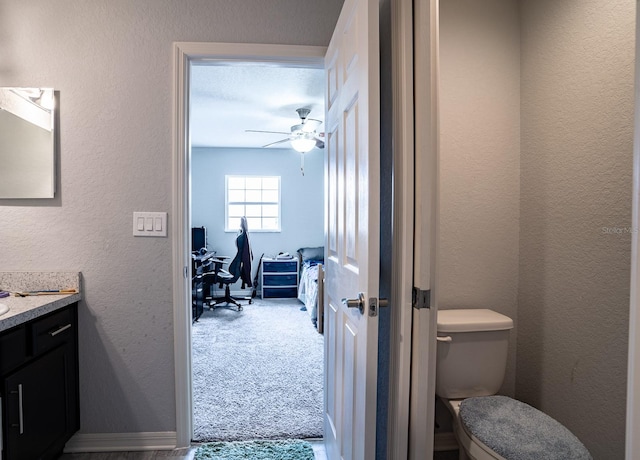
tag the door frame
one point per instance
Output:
(425, 269)
(401, 351)
(185, 53)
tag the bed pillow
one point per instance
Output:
(312, 254)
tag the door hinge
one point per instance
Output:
(421, 299)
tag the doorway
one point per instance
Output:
(257, 369)
(185, 55)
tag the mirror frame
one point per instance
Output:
(28, 140)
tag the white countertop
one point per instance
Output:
(23, 309)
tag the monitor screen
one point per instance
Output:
(198, 238)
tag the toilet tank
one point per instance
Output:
(471, 352)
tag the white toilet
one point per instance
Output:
(470, 367)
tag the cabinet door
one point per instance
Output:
(36, 415)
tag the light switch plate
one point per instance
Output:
(149, 224)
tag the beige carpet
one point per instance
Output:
(257, 373)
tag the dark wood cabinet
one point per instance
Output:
(40, 409)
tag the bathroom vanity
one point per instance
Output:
(38, 370)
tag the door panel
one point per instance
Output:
(353, 227)
(332, 190)
(351, 185)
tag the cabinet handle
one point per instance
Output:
(20, 412)
(20, 425)
(1, 433)
(58, 331)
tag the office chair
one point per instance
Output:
(239, 269)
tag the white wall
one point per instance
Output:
(480, 159)
(577, 136)
(302, 197)
(536, 165)
(112, 64)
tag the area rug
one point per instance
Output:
(257, 373)
(290, 449)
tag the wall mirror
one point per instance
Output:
(27, 143)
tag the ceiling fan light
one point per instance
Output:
(303, 144)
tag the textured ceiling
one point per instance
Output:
(226, 100)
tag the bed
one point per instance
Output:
(310, 288)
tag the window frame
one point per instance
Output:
(245, 203)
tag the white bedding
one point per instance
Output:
(308, 289)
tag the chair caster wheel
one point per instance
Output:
(250, 301)
(239, 308)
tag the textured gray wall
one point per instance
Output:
(480, 159)
(536, 163)
(576, 166)
(112, 64)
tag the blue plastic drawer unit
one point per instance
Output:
(279, 278)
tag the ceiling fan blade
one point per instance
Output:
(319, 144)
(276, 142)
(269, 132)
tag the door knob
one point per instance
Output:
(355, 303)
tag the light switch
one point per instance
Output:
(149, 224)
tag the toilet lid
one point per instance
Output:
(518, 431)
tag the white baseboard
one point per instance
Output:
(118, 442)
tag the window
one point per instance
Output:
(255, 197)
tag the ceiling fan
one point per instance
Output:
(303, 136)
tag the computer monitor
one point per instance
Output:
(198, 238)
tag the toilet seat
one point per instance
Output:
(499, 427)
(473, 447)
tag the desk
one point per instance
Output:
(200, 259)
(208, 262)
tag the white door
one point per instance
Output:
(352, 232)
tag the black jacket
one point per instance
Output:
(240, 266)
